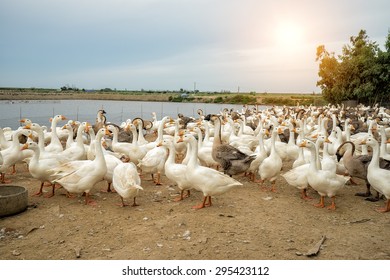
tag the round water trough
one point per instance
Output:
(13, 200)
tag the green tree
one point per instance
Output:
(359, 73)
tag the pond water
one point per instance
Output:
(40, 111)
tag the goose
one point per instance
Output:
(232, 160)
(357, 165)
(155, 123)
(204, 151)
(325, 182)
(13, 154)
(292, 148)
(297, 177)
(336, 139)
(139, 123)
(153, 162)
(300, 160)
(119, 147)
(69, 140)
(384, 147)
(76, 150)
(112, 161)
(100, 120)
(4, 143)
(271, 165)
(260, 154)
(207, 140)
(55, 143)
(136, 151)
(180, 148)
(126, 182)
(174, 171)
(81, 175)
(41, 168)
(207, 180)
(378, 178)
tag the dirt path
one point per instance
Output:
(245, 223)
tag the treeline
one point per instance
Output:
(361, 72)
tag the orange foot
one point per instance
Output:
(38, 193)
(319, 205)
(332, 207)
(200, 206)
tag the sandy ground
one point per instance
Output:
(245, 223)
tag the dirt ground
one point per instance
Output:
(245, 223)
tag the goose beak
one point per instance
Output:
(327, 140)
(27, 126)
(302, 144)
(107, 132)
(24, 147)
(63, 118)
(159, 144)
(363, 142)
(180, 140)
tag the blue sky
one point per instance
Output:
(214, 45)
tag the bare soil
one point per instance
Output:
(245, 223)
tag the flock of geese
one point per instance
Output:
(327, 147)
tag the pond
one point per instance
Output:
(40, 111)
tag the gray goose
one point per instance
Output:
(357, 166)
(232, 160)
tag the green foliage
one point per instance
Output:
(360, 73)
(218, 99)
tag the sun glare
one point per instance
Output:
(289, 35)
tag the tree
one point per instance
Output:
(359, 73)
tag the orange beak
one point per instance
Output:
(24, 147)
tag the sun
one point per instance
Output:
(289, 35)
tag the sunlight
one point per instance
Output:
(289, 35)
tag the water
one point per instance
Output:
(40, 111)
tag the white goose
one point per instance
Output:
(55, 143)
(126, 182)
(81, 175)
(153, 162)
(325, 182)
(76, 150)
(260, 153)
(270, 167)
(136, 151)
(204, 151)
(378, 178)
(209, 181)
(174, 171)
(119, 147)
(4, 143)
(41, 168)
(13, 154)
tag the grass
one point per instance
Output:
(251, 98)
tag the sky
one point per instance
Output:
(207, 45)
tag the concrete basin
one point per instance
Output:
(13, 199)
